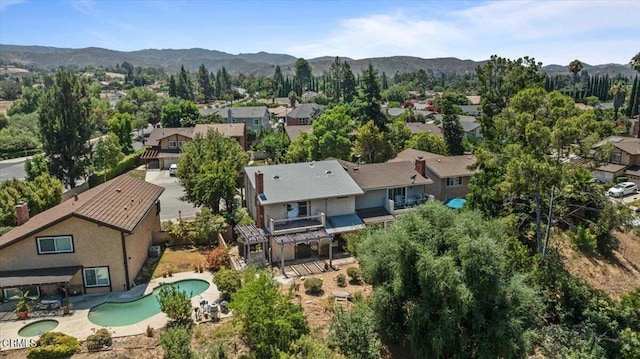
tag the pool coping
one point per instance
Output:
(78, 325)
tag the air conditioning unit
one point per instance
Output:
(154, 251)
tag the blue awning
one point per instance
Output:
(343, 223)
(455, 203)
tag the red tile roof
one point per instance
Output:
(120, 203)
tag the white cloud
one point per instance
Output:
(552, 32)
(4, 4)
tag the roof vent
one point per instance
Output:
(118, 190)
(276, 177)
(328, 172)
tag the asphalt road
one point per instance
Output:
(13, 168)
(171, 207)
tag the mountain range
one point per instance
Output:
(256, 64)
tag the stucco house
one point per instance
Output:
(94, 242)
(164, 144)
(624, 160)
(300, 207)
(450, 174)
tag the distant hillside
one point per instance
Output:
(258, 64)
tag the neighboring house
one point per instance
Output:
(471, 110)
(294, 131)
(279, 114)
(388, 188)
(419, 127)
(624, 160)
(394, 112)
(299, 208)
(254, 117)
(450, 174)
(94, 242)
(164, 144)
(474, 100)
(308, 95)
(470, 124)
(304, 114)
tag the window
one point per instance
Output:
(256, 122)
(616, 157)
(454, 181)
(397, 194)
(19, 292)
(96, 277)
(303, 121)
(62, 244)
(173, 144)
(181, 143)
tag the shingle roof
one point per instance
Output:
(442, 166)
(159, 133)
(246, 112)
(630, 145)
(306, 110)
(611, 168)
(120, 203)
(303, 181)
(385, 175)
(419, 127)
(225, 129)
(294, 131)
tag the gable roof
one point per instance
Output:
(160, 133)
(294, 131)
(385, 175)
(419, 127)
(630, 145)
(247, 112)
(120, 203)
(225, 129)
(303, 181)
(441, 166)
(306, 110)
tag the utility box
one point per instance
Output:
(154, 251)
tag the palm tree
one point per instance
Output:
(575, 67)
(618, 91)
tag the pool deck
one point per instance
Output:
(77, 324)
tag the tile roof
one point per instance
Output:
(385, 175)
(475, 100)
(225, 129)
(303, 181)
(159, 133)
(120, 203)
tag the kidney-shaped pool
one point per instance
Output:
(112, 314)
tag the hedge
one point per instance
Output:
(128, 163)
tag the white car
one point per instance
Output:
(622, 189)
(172, 169)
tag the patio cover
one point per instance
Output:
(344, 223)
(37, 276)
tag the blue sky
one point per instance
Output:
(554, 32)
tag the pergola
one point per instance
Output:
(303, 238)
(251, 235)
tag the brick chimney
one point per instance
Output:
(22, 213)
(420, 166)
(259, 190)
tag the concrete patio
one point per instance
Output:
(77, 323)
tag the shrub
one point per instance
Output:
(355, 274)
(175, 303)
(354, 333)
(176, 343)
(341, 279)
(584, 240)
(313, 285)
(218, 258)
(127, 163)
(54, 345)
(99, 340)
(228, 281)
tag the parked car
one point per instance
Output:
(622, 189)
(172, 169)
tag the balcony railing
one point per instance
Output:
(292, 225)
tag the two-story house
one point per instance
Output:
(95, 242)
(304, 114)
(254, 117)
(624, 160)
(301, 206)
(164, 144)
(450, 174)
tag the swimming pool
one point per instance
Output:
(37, 328)
(127, 313)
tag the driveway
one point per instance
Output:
(171, 207)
